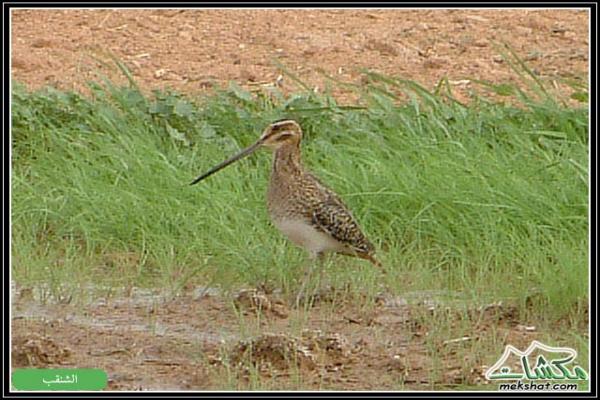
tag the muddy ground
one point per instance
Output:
(200, 341)
(205, 340)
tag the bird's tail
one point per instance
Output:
(371, 257)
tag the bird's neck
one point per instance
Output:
(287, 160)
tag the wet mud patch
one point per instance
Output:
(257, 301)
(36, 351)
(207, 340)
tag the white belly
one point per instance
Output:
(303, 234)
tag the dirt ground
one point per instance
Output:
(195, 50)
(202, 340)
(197, 342)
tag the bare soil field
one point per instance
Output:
(194, 50)
(208, 341)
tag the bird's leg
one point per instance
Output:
(314, 258)
(321, 266)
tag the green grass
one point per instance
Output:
(489, 199)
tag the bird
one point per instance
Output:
(307, 212)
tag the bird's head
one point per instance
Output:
(278, 134)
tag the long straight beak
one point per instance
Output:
(247, 151)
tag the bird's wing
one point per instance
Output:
(332, 217)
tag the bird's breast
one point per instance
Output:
(290, 209)
(302, 233)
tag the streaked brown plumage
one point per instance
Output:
(300, 206)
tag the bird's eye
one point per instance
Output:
(282, 137)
